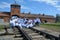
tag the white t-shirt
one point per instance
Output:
(29, 25)
(38, 20)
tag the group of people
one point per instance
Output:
(23, 22)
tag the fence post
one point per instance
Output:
(59, 37)
(6, 31)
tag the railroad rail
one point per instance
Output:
(18, 32)
(46, 35)
(31, 34)
(24, 34)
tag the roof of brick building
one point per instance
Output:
(28, 15)
(3, 14)
(36, 15)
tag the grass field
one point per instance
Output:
(54, 26)
(1, 27)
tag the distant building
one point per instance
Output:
(15, 10)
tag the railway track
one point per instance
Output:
(34, 35)
(16, 34)
(31, 34)
(27, 34)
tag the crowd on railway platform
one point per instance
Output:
(23, 22)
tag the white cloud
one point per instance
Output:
(22, 1)
(7, 5)
(58, 7)
(50, 2)
(24, 7)
(4, 5)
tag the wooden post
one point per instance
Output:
(6, 31)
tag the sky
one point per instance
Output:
(47, 7)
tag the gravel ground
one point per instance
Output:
(6, 37)
(48, 31)
(11, 37)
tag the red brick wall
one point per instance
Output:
(51, 20)
(15, 11)
(6, 19)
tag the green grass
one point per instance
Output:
(54, 27)
(56, 24)
(2, 27)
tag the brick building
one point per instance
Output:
(15, 10)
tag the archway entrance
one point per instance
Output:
(15, 15)
(45, 21)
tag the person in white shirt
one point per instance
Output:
(37, 21)
(11, 23)
(16, 22)
(19, 22)
(30, 23)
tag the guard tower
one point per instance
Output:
(15, 10)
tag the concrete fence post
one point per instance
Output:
(59, 37)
